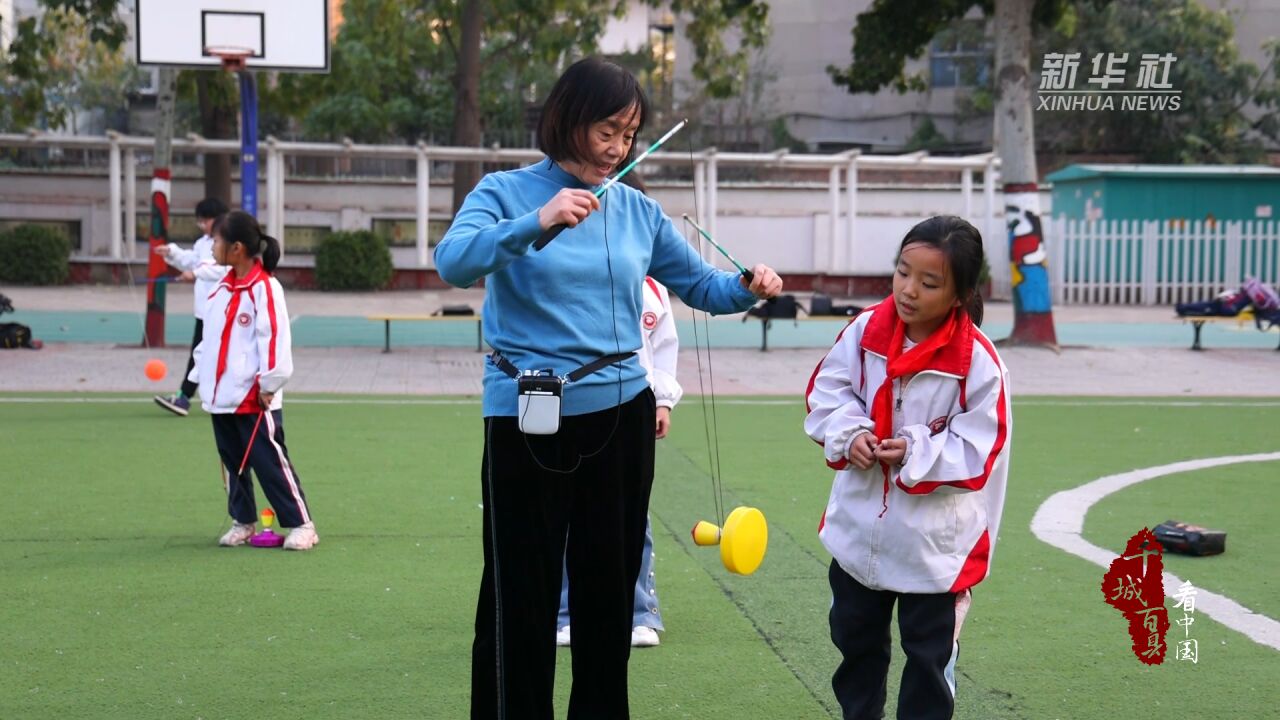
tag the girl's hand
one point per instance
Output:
(265, 398)
(891, 452)
(766, 283)
(664, 422)
(187, 276)
(162, 251)
(862, 450)
(569, 207)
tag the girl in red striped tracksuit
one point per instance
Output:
(912, 409)
(241, 365)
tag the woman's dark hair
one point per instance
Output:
(591, 90)
(961, 243)
(239, 226)
(634, 180)
(210, 208)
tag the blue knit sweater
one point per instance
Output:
(580, 297)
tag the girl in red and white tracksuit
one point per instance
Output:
(912, 409)
(241, 365)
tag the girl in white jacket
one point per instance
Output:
(912, 409)
(196, 264)
(242, 364)
(659, 352)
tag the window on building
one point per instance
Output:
(401, 232)
(304, 239)
(183, 229)
(960, 56)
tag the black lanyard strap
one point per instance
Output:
(513, 372)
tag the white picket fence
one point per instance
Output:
(1157, 262)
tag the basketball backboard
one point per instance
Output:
(287, 35)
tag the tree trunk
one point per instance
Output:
(1015, 144)
(217, 122)
(466, 115)
(166, 102)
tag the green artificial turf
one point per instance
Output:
(116, 603)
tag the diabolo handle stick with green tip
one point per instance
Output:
(745, 272)
(550, 233)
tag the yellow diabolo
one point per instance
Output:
(743, 539)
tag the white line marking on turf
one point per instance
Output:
(1060, 522)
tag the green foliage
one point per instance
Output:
(68, 57)
(927, 137)
(1211, 126)
(782, 137)
(892, 31)
(390, 79)
(357, 260)
(34, 255)
(722, 69)
(395, 62)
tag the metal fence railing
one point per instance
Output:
(1154, 262)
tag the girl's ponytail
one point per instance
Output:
(238, 226)
(271, 255)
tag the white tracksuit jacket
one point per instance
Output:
(246, 346)
(199, 262)
(939, 530)
(661, 347)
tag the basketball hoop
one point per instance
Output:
(233, 57)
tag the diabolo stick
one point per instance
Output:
(550, 233)
(745, 272)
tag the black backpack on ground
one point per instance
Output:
(14, 335)
(452, 310)
(821, 305)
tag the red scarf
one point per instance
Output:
(255, 274)
(900, 364)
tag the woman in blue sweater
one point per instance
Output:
(562, 308)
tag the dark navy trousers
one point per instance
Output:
(269, 461)
(589, 483)
(860, 619)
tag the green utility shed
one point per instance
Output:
(1166, 192)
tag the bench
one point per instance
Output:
(1198, 322)
(388, 319)
(767, 322)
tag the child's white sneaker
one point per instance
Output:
(303, 537)
(643, 636)
(239, 534)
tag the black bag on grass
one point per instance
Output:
(1187, 539)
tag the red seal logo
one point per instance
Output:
(650, 320)
(244, 319)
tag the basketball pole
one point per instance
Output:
(248, 142)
